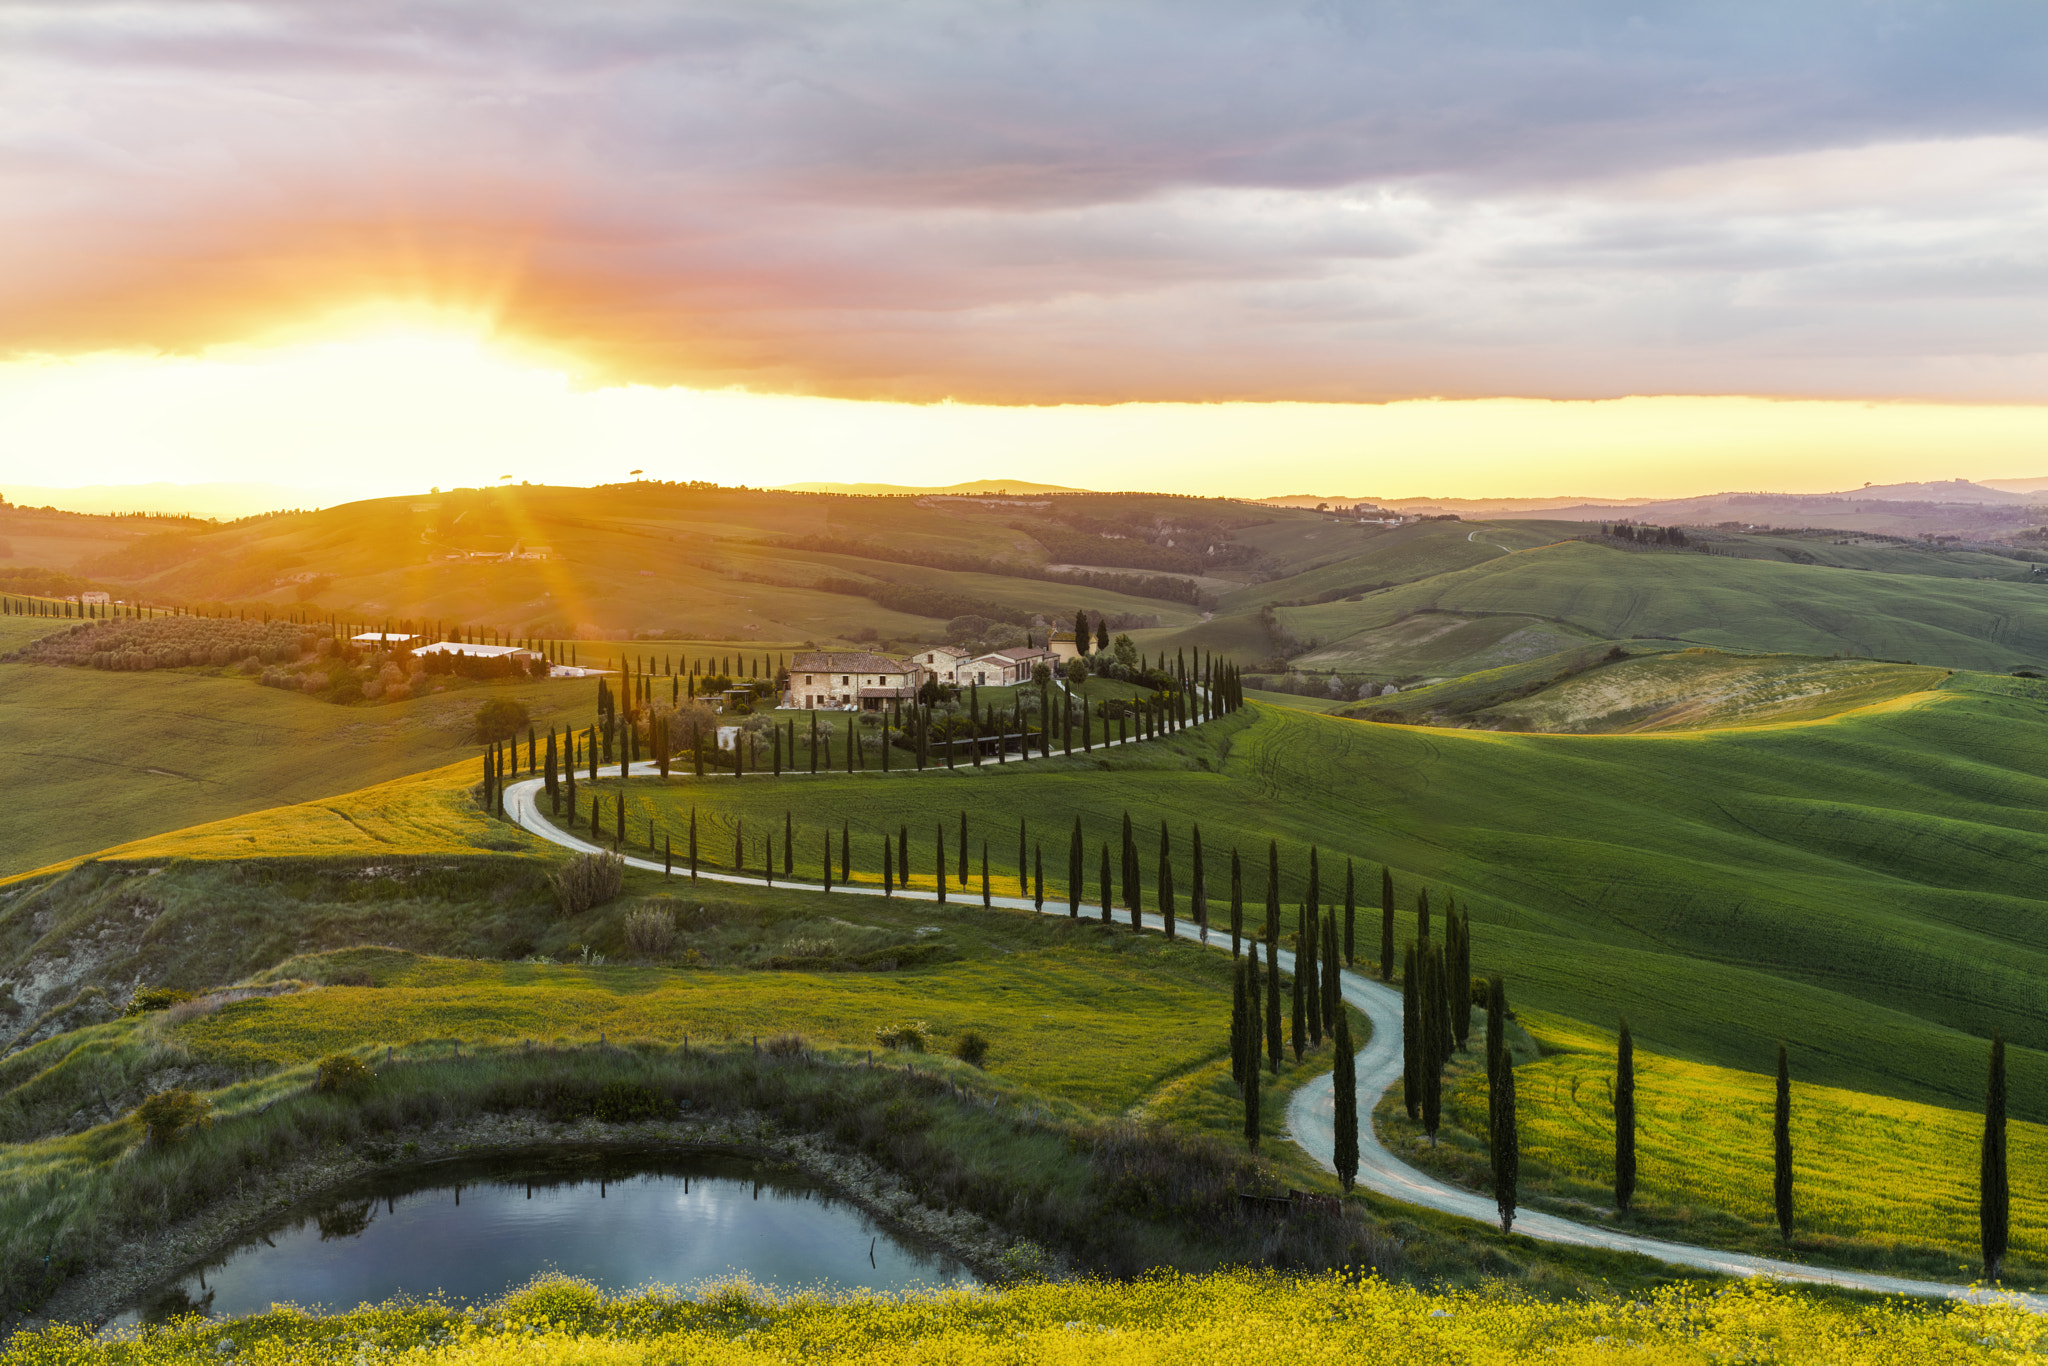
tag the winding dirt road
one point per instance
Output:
(1312, 1109)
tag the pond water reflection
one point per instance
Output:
(472, 1231)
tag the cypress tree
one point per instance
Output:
(1165, 880)
(1386, 924)
(1442, 993)
(1237, 1023)
(1624, 1120)
(767, 856)
(1503, 1136)
(693, 844)
(1038, 877)
(1299, 1032)
(1307, 940)
(1350, 913)
(814, 769)
(845, 851)
(1422, 914)
(986, 899)
(1273, 1007)
(963, 846)
(1236, 900)
(1411, 1036)
(1460, 978)
(1198, 889)
(1994, 1196)
(1431, 1049)
(1077, 871)
(1344, 1081)
(1333, 986)
(1251, 1070)
(939, 844)
(1023, 863)
(1781, 1146)
(903, 856)
(1130, 871)
(1105, 884)
(888, 866)
(826, 863)
(1271, 933)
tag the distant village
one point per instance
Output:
(860, 680)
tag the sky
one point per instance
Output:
(1474, 248)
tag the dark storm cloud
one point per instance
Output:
(1056, 200)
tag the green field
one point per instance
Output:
(101, 759)
(1861, 886)
(1735, 604)
(1877, 1182)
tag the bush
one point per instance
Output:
(155, 998)
(786, 1046)
(345, 1074)
(971, 1048)
(501, 718)
(650, 932)
(910, 1037)
(588, 881)
(169, 1114)
(621, 1102)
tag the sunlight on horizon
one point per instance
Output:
(390, 400)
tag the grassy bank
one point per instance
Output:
(1879, 1184)
(1235, 1316)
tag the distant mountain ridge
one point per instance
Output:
(971, 487)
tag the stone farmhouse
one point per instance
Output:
(849, 680)
(860, 680)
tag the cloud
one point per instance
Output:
(1037, 202)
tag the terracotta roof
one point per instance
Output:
(845, 662)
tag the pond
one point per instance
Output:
(472, 1231)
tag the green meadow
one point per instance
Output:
(1861, 885)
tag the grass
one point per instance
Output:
(1860, 885)
(124, 756)
(1879, 1184)
(1427, 644)
(1730, 603)
(1707, 689)
(1238, 1316)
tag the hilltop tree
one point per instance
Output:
(1133, 891)
(1198, 888)
(1624, 1120)
(1386, 924)
(1344, 1081)
(1081, 634)
(1460, 969)
(987, 897)
(1271, 931)
(1273, 1007)
(1994, 1195)
(1333, 986)
(1503, 1136)
(1307, 941)
(1781, 1144)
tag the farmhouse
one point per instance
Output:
(942, 662)
(847, 679)
(998, 668)
(1061, 643)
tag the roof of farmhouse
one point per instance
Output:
(845, 662)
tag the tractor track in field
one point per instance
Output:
(1311, 1110)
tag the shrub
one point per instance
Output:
(650, 932)
(971, 1048)
(344, 1073)
(621, 1102)
(155, 998)
(786, 1046)
(501, 718)
(910, 1037)
(168, 1114)
(588, 881)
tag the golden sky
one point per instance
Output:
(1489, 248)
